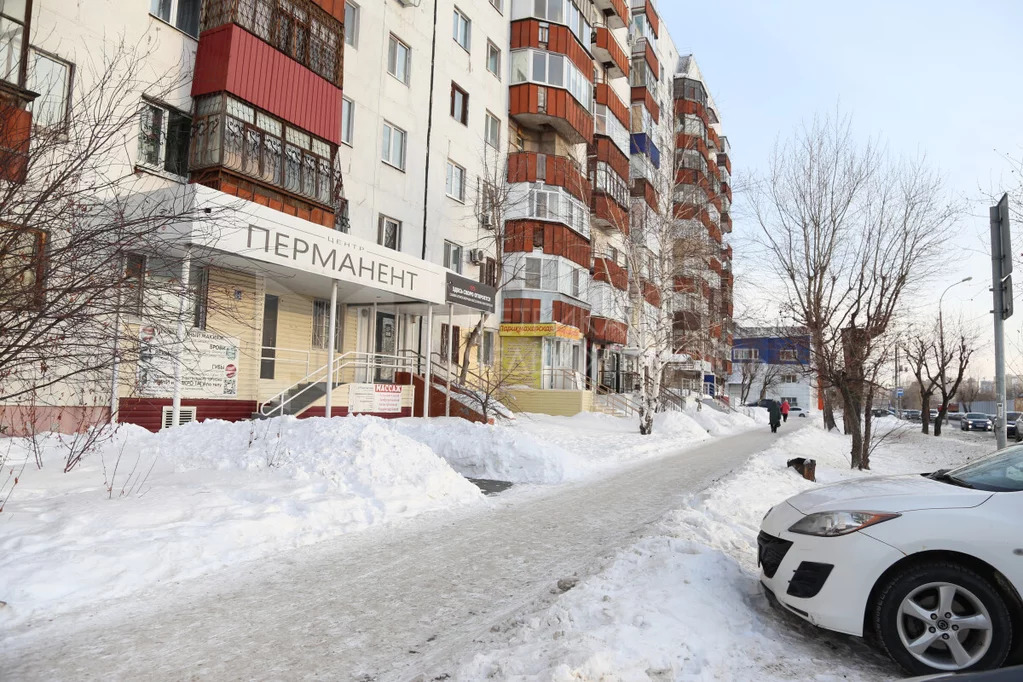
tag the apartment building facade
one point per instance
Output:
(774, 363)
(360, 186)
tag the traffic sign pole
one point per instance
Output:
(1001, 289)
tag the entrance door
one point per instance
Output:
(267, 363)
(386, 345)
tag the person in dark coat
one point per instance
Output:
(774, 410)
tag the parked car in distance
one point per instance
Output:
(955, 416)
(1019, 427)
(1010, 425)
(911, 415)
(928, 565)
(975, 421)
(795, 411)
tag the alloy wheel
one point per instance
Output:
(944, 626)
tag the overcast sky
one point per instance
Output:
(940, 78)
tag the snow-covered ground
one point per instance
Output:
(684, 603)
(147, 508)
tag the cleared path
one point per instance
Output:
(384, 605)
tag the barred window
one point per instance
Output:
(321, 325)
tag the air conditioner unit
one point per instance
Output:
(486, 222)
(477, 256)
(186, 415)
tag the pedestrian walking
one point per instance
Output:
(784, 410)
(774, 411)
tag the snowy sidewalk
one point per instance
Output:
(380, 606)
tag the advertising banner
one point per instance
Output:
(209, 364)
(374, 398)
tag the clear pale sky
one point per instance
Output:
(940, 78)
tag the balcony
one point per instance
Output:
(643, 144)
(684, 107)
(604, 151)
(605, 269)
(643, 48)
(549, 169)
(726, 223)
(539, 106)
(605, 330)
(536, 34)
(15, 134)
(608, 52)
(615, 12)
(695, 142)
(607, 213)
(642, 94)
(644, 189)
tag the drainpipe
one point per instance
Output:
(429, 127)
(331, 333)
(179, 337)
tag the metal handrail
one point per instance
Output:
(276, 349)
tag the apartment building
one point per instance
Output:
(357, 186)
(774, 363)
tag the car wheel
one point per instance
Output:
(942, 617)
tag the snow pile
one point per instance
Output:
(684, 603)
(192, 499)
(497, 452)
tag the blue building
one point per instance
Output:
(773, 362)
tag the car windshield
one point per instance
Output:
(1001, 471)
(1012, 416)
(976, 415)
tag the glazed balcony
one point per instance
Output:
(605, 269)
(615, 12)
(642, 95)
(686, 107)
(643, 189)
(726, 223)
(603, 94)
(15, 138)
(560, 171)
(608, 52)
(540, 106)
(608, 213)
(643, 144)
(604, 151)
(643, 48)
(541, 35)
(697, 143)
(725, 162)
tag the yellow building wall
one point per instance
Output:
(558, 403)
(520, 356)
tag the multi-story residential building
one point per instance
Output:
(773, 363)
(354, 186)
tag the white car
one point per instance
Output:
(932, 565)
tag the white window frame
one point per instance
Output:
(352, 24)
(527, 62)
(788, 378)
(453, 256)
(173, 7)
(492, 131)
(160, 165)
(461, 29)
(454, 184)
(383, 222)
(394, 44)
(493, 49)
(787, 355)
(388, 148)
(743, 354)
(485, 349)
(45, 90)
(347, 121)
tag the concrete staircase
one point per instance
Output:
(296, 400)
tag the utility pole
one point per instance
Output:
(1001, 288)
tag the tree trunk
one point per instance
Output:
(925, 413)
(829, 414)
(941, 417)
(868, 424)
(647, 404)
(470, 343)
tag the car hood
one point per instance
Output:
(888, 494)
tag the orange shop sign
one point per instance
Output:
(542, 329)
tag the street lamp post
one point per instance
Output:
(941, 335)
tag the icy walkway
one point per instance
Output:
(380, 606)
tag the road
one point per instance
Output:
(384, 605)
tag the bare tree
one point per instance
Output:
(969, 393)
(955, 355)
(749, 372)
(921, 351)
(851, 233)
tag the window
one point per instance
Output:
(347, 120)
(488, 272)
(786, 356)
(398, 59)
(498, 5)
(12, 30)
(164, 138)
(493, 59)
(352, 24)
(486, 348)
(453, 256)
(51, 78)
(459, 104)
(232, 133)
(389, 233)
(545, 68)
(789, 378)
(462, 30)
(493, 131)
(531, 274)
(393, 150)
(745, 354)
(134, 282)
(455, 185)
(457, 337)
(22, 267)
(199, 286)
(576, 282)
(321, 325)
(183, 14)
(556, 11)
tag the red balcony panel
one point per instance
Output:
(728, 252)
(560, 111)
(572, 315)
(723, 160)
(651, 294)
(521, 311)
(714, 231)
(606, 270)
(684, 141)
(651, 58)
(615, 12)
(557, 170)
(526, 33)
(335, 8)
(641, 187)
(230, 59)
(606, 49)
(606, 96)
(641, 94)
(523, 236)
(685, 106)
(603, 149)
(608, 213)
(726, 223)
(655, 21)
(15, 138)
(603, 330)
(715, 265)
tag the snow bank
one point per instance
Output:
(684, 603)
(216, 493)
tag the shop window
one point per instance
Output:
(486, 348)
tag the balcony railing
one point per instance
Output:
(298, 28)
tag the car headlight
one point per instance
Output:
(832, 524)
